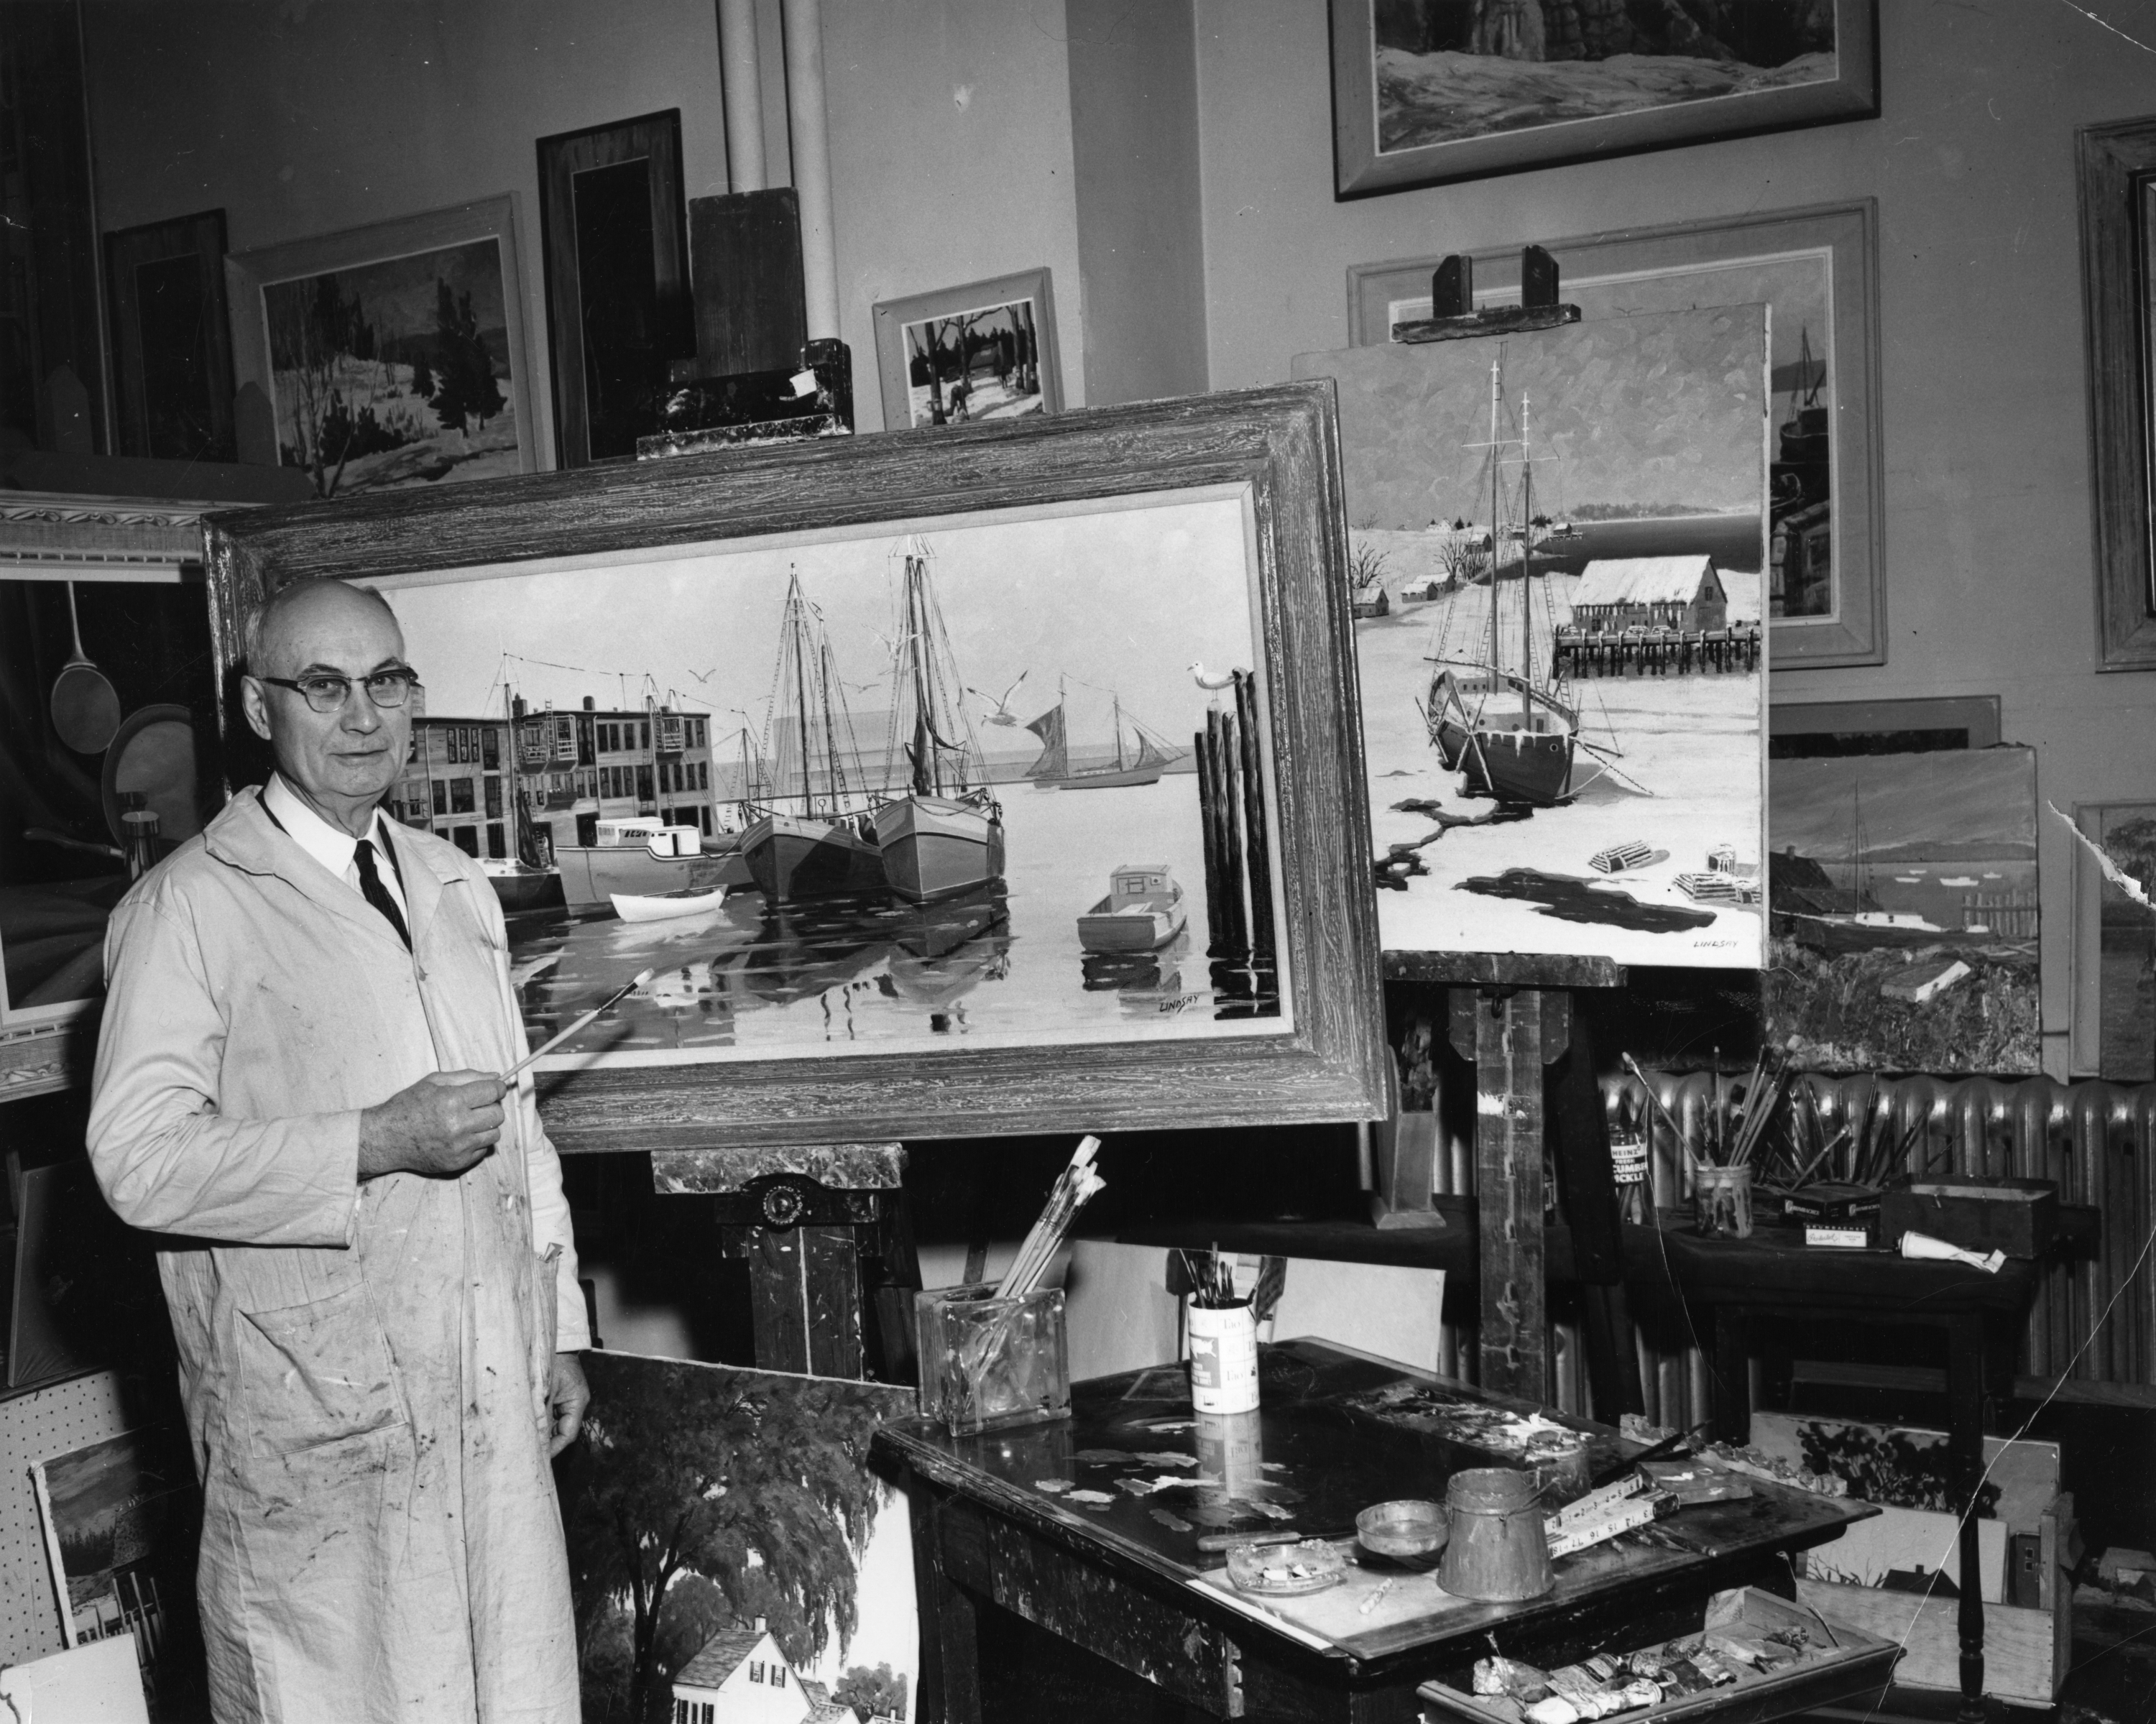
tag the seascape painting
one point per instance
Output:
(2126, 940)
(396, 371)
(1558, 545)
(1903, 892)
(1799, 286)
(872, 790)
(979, 363)
(1448, 70)
(732, 1551)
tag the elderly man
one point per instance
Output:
(372, 1280)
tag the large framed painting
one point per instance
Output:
(985, 351)
(1558, 548)
(108, 748)
(998, 778)
(2118, 290)
(1428, 91)
(387, 358)
(1817, 269)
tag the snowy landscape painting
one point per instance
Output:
(954, 356)
(731, 1549)
(1417, 80)
(387, 357)
(1558, 547)
(1903, 893)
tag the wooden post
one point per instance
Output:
(1256, 835)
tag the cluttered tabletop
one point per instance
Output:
(1275, 1493)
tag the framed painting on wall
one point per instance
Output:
(2114, 1021)
(1428, 91)
(389, 357)
(614, 230)
(1817, 269)
(171, 339)
(985, 351)
(1558, 545)
(2118, 290)
(879, 753)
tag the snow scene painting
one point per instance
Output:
(731, 1548)
(395, 373)
(873, 790)
(1903, 892)
(982, 364)
(1452, 69)
(1558, 544)
(2125, 952)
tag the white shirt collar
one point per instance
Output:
(329, 846)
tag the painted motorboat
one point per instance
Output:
(1144, 910)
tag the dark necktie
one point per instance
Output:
(376, 894)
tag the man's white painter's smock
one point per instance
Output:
(365, 1368)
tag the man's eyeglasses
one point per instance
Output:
(328, 694)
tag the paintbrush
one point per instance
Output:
(548, 1046)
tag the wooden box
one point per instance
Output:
(1857, 1670)
(2019, 1217)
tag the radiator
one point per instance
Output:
(2097, 1140)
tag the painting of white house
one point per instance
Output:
(1557, 546)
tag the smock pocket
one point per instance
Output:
(316, 1373)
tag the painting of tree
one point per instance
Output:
(703, 1496)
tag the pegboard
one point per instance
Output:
(37, 1426)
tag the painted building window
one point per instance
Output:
(441, 796)
(756, 1670)
(493, 795)
(497, 840)
(466, 839)
(489, 749)
(644, 793)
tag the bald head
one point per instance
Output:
(280, 624)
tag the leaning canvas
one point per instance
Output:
(1904, 909)
(1558, 549)
(731, 1549)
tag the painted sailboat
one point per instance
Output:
(816, 842)
(1143, 763)
(944, 836)
(1497, 713)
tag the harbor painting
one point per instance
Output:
(732, 1550)
(1903, 891)
(1558, 550)
(998, 781)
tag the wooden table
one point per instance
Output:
(997, 1524)
(1774, 1275)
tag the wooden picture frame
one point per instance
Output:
(390, 280)
(1938, 721)
(609, 351)
(1018, 310)
(1826, 253)
(171, 339)
(1364, 164)
(1270, 454)
(2117, 173)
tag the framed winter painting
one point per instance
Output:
(1558, 550)
(1000, 778)
(386, 358)
(985, 351)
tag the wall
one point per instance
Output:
(1134, 136)
(1991, 583)
(951, 162)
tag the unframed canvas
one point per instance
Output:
(1905, 908)
(1643, 438)
(2115, 946)
(729, 1542)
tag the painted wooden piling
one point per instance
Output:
(1257, 845)
(1208, 798)
(1220, 732)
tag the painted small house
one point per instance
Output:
(1676, 592)
(740, 1677)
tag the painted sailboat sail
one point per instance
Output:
(1143, 763)
(944, 836)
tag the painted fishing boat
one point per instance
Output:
(944, 836)
(644, 857)
(816, 842)
(1498, 714)
(665, 907)
(520, 886)
(1144, 910)
(1152, 754)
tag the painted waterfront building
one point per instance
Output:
(1684, 593)
(739, 1677)
(571, 769)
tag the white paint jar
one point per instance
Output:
(1223, 1358)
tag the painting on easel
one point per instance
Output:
(1558, 542)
